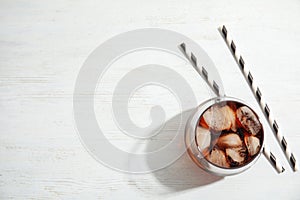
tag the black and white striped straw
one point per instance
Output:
(259, 97)
(215, 87)
(201, 70)
(272, 159)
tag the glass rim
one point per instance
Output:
(198, 114)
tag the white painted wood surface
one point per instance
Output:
(42, 47)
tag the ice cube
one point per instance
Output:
(229, 140)
(248, 120)
(253, 144)
(236, 155)
(220, 118)
(203, 137)
(218, 157)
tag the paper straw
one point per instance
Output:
(270, 157)
(258, 95)
(201, 71)
(214, 86)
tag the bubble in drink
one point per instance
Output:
(229, 134)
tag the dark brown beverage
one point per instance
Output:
(229, 134)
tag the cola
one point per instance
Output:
(229, 134)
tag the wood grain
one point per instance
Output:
(42, 47)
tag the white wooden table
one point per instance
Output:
(42, 47)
